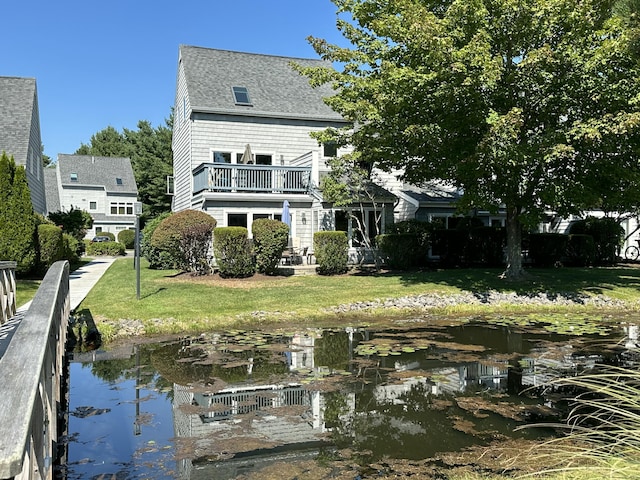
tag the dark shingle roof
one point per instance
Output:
(98, 171)
(51, 190)
(17, 101)
(274, 88)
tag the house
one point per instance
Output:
(103, 186)
(20, 132)
(242, 145)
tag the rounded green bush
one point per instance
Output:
(51, 245)
(105, 248)
(180, 235)
(331, 250)
(127, 238)
(233, 252)
(270, 238)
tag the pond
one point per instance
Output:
(241, 404)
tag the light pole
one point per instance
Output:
(137, 210)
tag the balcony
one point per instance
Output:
(230, 177)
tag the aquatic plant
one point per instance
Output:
(602, 427)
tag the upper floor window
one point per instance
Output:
(121, 208)
(93, 205)
(222, 157)
(241, 96)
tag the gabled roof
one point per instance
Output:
(91, 171)
(430, 193)
(274, 88)
(51, 190)
(17, 103)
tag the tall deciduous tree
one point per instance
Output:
(151, 158)
(521, 103)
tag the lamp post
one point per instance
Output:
(137, 210)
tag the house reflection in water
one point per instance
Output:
(386, 382)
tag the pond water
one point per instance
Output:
(241, 403)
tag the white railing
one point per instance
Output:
(31, 370)
(229, 177)
(7, 291)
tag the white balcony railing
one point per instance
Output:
(229, 177)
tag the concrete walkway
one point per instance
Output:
(82, 280)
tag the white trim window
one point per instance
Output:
(121, 208)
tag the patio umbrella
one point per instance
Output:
(286, 216)
(247, 156)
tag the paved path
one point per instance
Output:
(82, 280)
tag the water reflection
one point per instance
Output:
(228, 404)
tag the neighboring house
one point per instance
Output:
(242, 144)
(103, 186)
(20, 132)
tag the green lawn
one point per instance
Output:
(182, 303)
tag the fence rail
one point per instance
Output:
(31, 370)
(7, 290)
(222, 177)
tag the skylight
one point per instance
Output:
(118, 181)
(74, 177)
(241, 95)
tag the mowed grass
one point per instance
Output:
(165, 295)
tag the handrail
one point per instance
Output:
(233, 177)
(7, 290)
(31, 372)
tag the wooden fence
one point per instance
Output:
(7, 291)
(31, 372)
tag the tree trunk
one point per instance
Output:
(514, 245)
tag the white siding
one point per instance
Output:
(181, 145)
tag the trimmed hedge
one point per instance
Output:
(608, 236)
(331, 250)
(158, 259)
(233, 252)
(105, 248)
(71, 248)
(51, 245)
(127, 238)
(270, 239)
(175, 236)
(581, 251)
(401, 251)
(547, 249)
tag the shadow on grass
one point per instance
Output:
(553, 281)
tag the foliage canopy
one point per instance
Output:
(528, 104)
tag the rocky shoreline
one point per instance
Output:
(430, 301)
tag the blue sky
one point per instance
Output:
(113, 63)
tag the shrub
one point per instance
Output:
(108, 234)
(486, 246)
(127, 238)
(195, 242)
(18, 222)
(51, 245)
(270, 238)
(581, 250)
(547, 249)
(401, 251)
(158, 259)
(71, 248)
(607, 234)
(233, 252)
(331, 252)
(171, 235)
(451, 246)
(105, 248)
(423, 232)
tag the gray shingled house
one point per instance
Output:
(20, 132)
(242, 144)
(103, 186)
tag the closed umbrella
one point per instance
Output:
(247, 156)
(286, 217)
